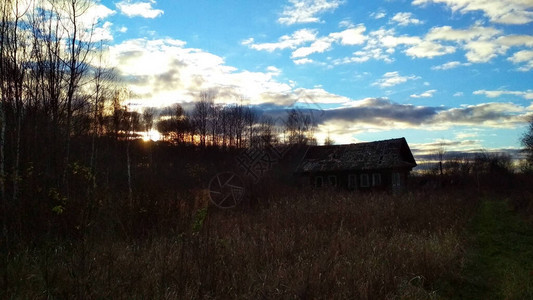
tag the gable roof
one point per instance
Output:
(387, 154)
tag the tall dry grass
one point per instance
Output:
(306, 244)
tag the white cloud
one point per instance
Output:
(139, 9)
(458, 94)
(89, 21)
(426, 94)
(380, 44)
(476, 32)
(272, 70)
(163, 71)
(405, 18)
(346, 24)
(96, 13)
(318, 95)
(426, 152)
(450, 65)
(303, 61)
(318, 46)
(339, 132)
(285, 42)
(481, 44)
(465, 135)
(482, 51)
(494, 114)
(248, 41)
(523, 56)
(429, 49)
(497, 93)
(515, 40)
(350, 36)
(306, 11)
(387, 39)
(103, 33)
(363, 56)
(393, 78)
(378, 15)
(498, 11)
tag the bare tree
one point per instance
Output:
(148, 119)
(79, 46)
(329, 141)
(130, 121)
(238, 123)
(102, 78)
(4, 6)
(266, 131)
(214, 112)
(298, 127)
(250, 118)
(48, 72)
(439, 154)
(4, 27)
(527, 142)
(14, 60)
(182, 125)
(200, 115)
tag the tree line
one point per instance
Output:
(235, 125)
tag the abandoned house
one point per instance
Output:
(381, 165)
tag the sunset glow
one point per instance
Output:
(152, 135)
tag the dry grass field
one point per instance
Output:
(303, 245)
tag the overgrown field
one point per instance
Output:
(306, 244)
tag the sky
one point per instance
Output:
(456, 74)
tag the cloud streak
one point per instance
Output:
(307, 11)
(405, 19)
(498, 11)
(391, 79)
(426, 94)
(382, 113)
(497, 93)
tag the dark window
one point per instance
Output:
(319, 181)
(364, 180)
(352, 184)
(332, 180)
(396, 181)
(376, 179)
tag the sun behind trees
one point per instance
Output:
(66, 131)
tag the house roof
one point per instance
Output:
(387, 154)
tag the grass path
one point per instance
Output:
(499, 262)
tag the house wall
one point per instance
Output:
(385, 179)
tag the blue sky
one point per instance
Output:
(452, 73)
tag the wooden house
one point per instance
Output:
(381, 165)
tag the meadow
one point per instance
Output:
(294, 244)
